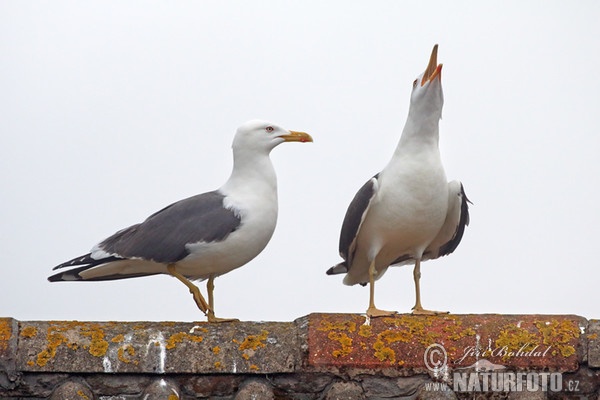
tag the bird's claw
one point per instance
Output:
(374, 312)
(210, 315)
(422, 311)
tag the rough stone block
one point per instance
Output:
(9, 374)
(593, 338)
(158, 347)
(345, 391)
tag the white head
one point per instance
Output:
(427, 97)
(262, 136)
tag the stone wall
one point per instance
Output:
(320, 356)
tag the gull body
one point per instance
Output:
(203, 236)
(408, 212)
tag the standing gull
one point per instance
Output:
(408, 212)
(203, 236)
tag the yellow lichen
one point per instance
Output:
(173, 397)
(218, 365)
(246, 356)
(216, 350)
(559, 335)
(593, 336)
(513, 339)
(394, 336)
(254, 367)
(344, 340)
(455, 331)
(253, 342)
(30, 363)
(82, 395)
(415, 326)
(337, 326)
(29, 331)
(383, 353)
(177, 338)
(365, 331)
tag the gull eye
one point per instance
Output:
(269, 129)
(415, 83)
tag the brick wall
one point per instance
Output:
(320, 356)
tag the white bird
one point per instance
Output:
(203, 236)
(408, 212)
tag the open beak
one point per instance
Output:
(295, 136)
(433, 69)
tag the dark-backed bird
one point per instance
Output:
(408, 212)
(203, 236)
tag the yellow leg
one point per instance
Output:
(210, 288)
(200, 302)
(373, 311)
(418, 308)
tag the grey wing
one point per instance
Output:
(355, 215)
(457, 218)
(163, 237)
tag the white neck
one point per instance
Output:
(252, 174)
(419, 134)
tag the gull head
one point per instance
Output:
(263, 136)
(427, 97)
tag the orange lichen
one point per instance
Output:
(29, 331)
(82, 395)
(253, 342)
(173, 397)
(254, 367)
(98, 346)
(593, 336)
(216, 350)
(218, 365)
(130, 352)
(118, 339)
(344, 340)
(54, 340)
(177, 338)
(5, 333)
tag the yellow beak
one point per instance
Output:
(295, 136)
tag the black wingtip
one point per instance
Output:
(81, 260)
(70, 275)
(340, 268)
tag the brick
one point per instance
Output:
(399, 343)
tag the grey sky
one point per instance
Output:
(112, 110)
